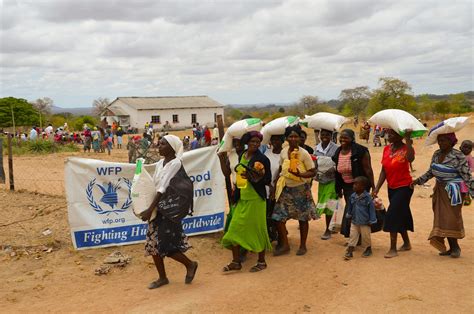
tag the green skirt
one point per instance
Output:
(248, 226)
(327, 198)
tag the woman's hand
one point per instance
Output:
(295, 173)
(146, 215)
(375, 193)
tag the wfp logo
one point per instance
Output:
(109, 196)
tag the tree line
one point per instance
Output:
(17, 112)
(361, 102)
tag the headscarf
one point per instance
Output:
(176, 144)
(451, 137)
(247, 136)
(349, 133)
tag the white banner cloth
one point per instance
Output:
(100, 207)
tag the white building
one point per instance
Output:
(179, 111)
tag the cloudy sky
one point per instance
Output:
(234, 51)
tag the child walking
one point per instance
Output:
(466, 148)
(362, 212)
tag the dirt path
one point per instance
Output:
(321, 281)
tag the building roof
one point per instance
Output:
(166, 102)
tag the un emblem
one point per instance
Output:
(109, 196)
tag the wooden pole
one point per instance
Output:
(228, 184)
(220, 126)
(2, 171)
(10, 163)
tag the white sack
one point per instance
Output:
(398, 120)
(238, 129)
(325, 120)
(143, 190)
(447, 126)
(277, 127)
(324, 163)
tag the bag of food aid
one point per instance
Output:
(143, 190)
(324, 120)
(237, 130)
(450, 125)
(277, 127)
(398, 120)
(338, 214)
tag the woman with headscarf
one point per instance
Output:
(352, 160)
(165, 237)
(293, 196)
(450, 168)
(396, 161)
(327, 196)
(248, 226)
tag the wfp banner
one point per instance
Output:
(100, 207)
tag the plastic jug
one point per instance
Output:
(241, 181)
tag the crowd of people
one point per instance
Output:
(271, 184)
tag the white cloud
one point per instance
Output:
(235, 51)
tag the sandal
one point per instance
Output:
(189, 278)
(232, 266)
(258, 267)
(158, 283)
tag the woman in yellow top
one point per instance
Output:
(293, 192)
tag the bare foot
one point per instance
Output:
(405, 247)
(390, 254)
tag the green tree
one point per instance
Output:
(442, 107)
(355, 100)
(392, 94)
(17, 112)
(80, 121)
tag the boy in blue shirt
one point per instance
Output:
(362, 212)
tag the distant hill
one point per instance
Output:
(86, 111)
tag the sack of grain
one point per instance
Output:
(398, 120)
(450, 125)
(277, 127)
(324, 120)
(237, 130)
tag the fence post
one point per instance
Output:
(2, 171)
(10, 162)
(220, 126)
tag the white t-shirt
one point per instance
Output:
(164, 174)
(274, 166)
(233, 161)
(49, 130)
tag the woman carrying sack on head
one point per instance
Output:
(450, 168)
(248, 227)
(293, 196)
(326, 178)
(165, 236)
(396, 170)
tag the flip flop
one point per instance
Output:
(158, 283)
(232, 266)
(258, 267)
(189, 278)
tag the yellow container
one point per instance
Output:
(241, 181)
(294, 160)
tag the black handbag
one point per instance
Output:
(378, 226)
(177, 201)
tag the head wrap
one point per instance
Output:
(247, 136)
(294, 128)
(451, 137)
(349, 133)
(176, 144)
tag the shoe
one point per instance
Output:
(455, 253)
(326, 236)
(301, 251)
(367, 252)
(158, 283)
(189, 278)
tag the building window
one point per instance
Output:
(193, 118)
(175, 118)
(215, 117)
(155, 119)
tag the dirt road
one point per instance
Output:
(321, 281)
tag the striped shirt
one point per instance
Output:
(344, 167)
